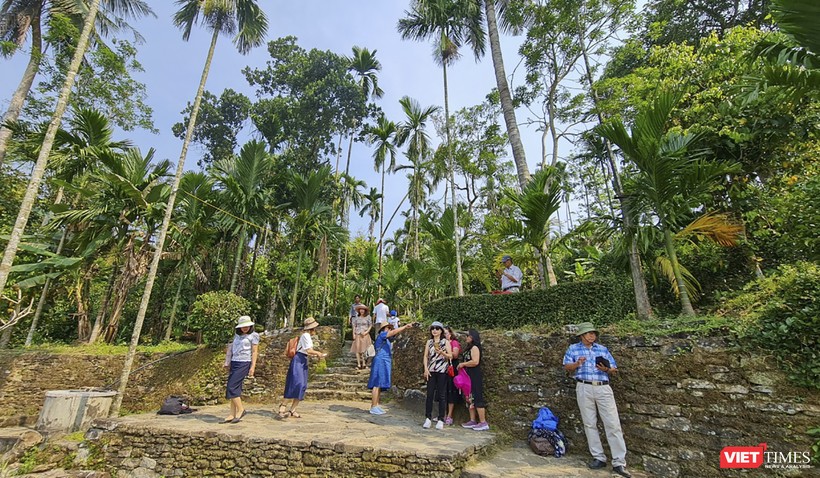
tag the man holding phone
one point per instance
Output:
(592, 365)
(510, 276)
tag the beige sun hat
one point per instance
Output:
(310, 323)
(244, 321)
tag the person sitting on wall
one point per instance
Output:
(592, 365)
(511, 276)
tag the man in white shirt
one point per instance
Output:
(511, 276)
(380, 311)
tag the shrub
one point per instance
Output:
(782, 313)
(331, 320)
(601, 301)
(215, 314)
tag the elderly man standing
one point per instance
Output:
(511, 276)
(592, 365)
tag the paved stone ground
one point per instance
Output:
(518, 461)
(324, 422)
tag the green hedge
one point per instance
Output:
(601, 301)
(215, 314)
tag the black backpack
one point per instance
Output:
(174, 405)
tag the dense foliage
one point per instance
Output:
(215, 314)
(602, 301)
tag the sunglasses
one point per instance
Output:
(436, 328)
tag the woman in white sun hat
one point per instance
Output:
(296, 381)
(240, 361)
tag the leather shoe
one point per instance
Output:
(596, 464)
(621, 470)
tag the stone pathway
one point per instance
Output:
(342, 381)
(519, 461)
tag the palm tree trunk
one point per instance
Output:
(381, 233)
(97, 328)
(507, 107)
(685, 303)
(295, 296)
(5, 337)
(240, 248)
(41, 303)
(456, 235)
(45, 150)
(539, 260)
(643, 307)
(166, 222)
(20, 94)
(170, 326)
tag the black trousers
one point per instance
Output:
(436, 385)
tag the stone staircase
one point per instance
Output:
(340, 381)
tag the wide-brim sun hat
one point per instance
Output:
(383, 325)
(585, 327)
(244, 321)
(437, 324)
(362, 306)
(310, 323)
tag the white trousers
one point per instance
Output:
(599, 399)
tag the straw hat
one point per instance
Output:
(244, 321)
(310, 323)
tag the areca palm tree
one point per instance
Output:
(39, 169)
(413, 132)
(244, 179)
(21, 18)
(669, 180)
(536, 204)
(246, 20)
(383, 136)
(450, 24)
(372, 207)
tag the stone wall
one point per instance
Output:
(139, 452)
(681, 399)
(198, 374)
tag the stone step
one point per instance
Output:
(340, 370)
(329, 394)
(341, 386)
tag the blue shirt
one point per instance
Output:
(588, 371)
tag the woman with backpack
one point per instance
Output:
(471, 360)
(297, 379)
(436, 357)
(240, 361)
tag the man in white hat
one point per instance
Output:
(591, 364)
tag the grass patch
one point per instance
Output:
(666, 326)
(109, 349)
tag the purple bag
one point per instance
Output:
(463, 383)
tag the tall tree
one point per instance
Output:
(383, 136)
(248, 22)
(450, 24)
(372, 207)
(39, 169)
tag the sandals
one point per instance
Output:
(283, 411)
(239, 418)
(294, 414)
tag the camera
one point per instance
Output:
(415, 325)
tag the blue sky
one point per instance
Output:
(173, 68)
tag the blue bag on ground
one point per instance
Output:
(546, 420)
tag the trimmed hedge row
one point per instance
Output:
(601, 301)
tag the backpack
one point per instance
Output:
(290, 350)
(174, 405)
(546, 420)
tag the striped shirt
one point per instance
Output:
(587, 370)
(436, 363)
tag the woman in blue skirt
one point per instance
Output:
(240, 360)
(297, 380)
(382, 365)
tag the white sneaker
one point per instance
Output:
(427, 423)
(440, 425)
(377, 411)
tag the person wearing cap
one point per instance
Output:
(296, 381)
(592, 365)
(382, 365)
(361, 325)
(393, 318)
(380, 310)
(436, 356)
(240, 361)
(511, 276)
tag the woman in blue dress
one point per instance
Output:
(296, 381)
(382, 365)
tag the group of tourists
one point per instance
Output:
(447, 367)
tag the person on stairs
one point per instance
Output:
(436, 356)
(296, 381)
(362, 324)
(240, 361)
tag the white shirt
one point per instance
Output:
(242, 347)
(394, 321)
(381, 312)
(305, 343)
(514, 271)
